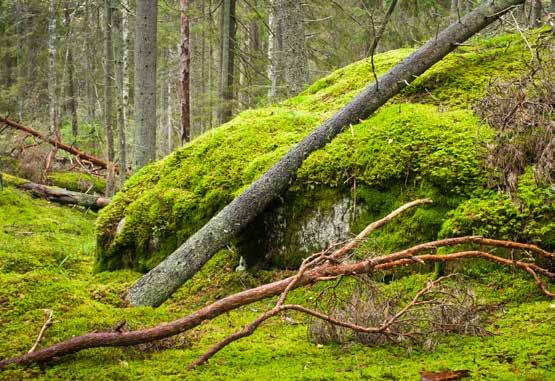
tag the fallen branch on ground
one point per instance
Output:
(56, 143)
(45, 326)
(59, 195)
(316, 268)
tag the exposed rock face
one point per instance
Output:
(289, 232)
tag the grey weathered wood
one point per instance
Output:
(59, 195)
(157, 285)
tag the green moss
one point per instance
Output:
(529, 217)
(77, 181)
(520, 346)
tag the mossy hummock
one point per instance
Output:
(424, 142)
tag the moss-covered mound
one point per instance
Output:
(426, 142)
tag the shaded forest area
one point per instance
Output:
(365, 187)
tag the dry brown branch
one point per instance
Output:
(325, 267)
(45, 326)
(55, 142)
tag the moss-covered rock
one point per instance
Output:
(405, 149)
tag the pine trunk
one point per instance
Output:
(108, 91)
(120, 91)
(52, 76)
(295, 61)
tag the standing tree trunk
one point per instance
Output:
(108, 93)
(274, 49)
(120, 92)
(185, 74)
(52, 77)
(158, 284)
(145, 83)
(295, 61)
(536, 17)
(227, 60)
(164, 101)
(125, 62)
(70, 73)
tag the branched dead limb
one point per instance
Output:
(55, 142)
(280, 307)
(316, 268)
(45, 326)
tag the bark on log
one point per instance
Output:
(60, 195)
(56, 143)
(157, 285)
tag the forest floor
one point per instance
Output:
(46, 262)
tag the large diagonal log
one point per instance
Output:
(158, 284)
(56, 143)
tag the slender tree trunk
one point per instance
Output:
(52, 77)
(120, 91)
(295, 61)
(160, 283)
(274, 49)
(164, 101)
(89, 59)
(125, 62)
(203, 63)
(108, 92)
(145, 83)
(227, 60)
(210, 68)
(185, 73)
(71, 90)
(169, 127)
(537, 11)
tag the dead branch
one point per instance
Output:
(317, 267)
(56, 143)
(45, 326)
(59, 195)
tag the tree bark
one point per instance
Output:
(60, 195)
(145, 83)
(295, 61)
(52, 76)
(158, 284)
(185, 74)
(56, 143)
(109, 91)
(274, 49)
(120, 91)
(125, 60)
(70, 73)
(227, 60)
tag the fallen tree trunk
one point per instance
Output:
(56, 143)
(319, 267)
(157, 285)
(59, 195)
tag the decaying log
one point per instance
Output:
(56, 143)
(59, 195)
(162, 281)
(326, 266)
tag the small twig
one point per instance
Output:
(45, 326)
